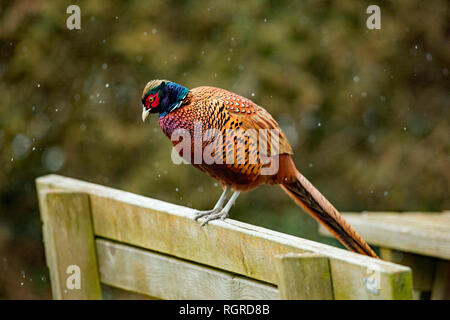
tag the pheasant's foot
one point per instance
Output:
(200, 214)
(220, 215)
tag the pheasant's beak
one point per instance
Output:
(145, 114)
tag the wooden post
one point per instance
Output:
(69, 245)
(304, 276)
(441, 285)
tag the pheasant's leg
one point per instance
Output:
(224, 212)
(217, 207)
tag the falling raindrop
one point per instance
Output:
(53, 158)
(20, 146)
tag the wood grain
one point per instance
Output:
(69, 241)
(166, 277)
(304, 276)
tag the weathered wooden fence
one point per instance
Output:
(418, 240)
(146, 246)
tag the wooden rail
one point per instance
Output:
(155, 248)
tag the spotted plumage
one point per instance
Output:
(207, 105)
(243, 141)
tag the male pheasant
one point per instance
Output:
(232, 129)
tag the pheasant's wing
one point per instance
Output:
(248, 131)
(246, 115)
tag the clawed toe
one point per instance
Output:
(200, 214)
(221, 215)
(218, 212)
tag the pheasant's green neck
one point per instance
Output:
(174, 96)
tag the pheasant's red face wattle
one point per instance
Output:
(152, 101)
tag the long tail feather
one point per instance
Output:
(313, 202)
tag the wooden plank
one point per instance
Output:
(304, 276)
(421, 233)
(165, 277)
(441, 285)
(69, 245)
(228, 245)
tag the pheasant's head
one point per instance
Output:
(162, 96)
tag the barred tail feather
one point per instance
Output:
(313, 202)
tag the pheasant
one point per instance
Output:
(233, 130)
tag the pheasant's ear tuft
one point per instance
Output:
(152, 85)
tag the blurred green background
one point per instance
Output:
(367, 111)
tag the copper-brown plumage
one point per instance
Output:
(219, 109)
